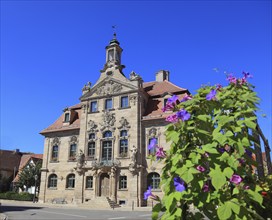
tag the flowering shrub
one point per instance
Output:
(209, 168)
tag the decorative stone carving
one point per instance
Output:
(83, 106)
(56, 141)
(80, 162)
(109, 88)
(86, 88)
(134, 76)
(108, 121)
(133, 99)
(124, 124)
(152, 132)
(92, 127)
(132, 164)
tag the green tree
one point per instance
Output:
(27, 175)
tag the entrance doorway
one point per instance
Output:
(104, 189)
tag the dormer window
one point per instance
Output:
(66, 117)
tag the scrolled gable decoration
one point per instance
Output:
(133, 99)
(73, 140)
(153, 132)
(124, 125)
(109, 88)
(92, 127)
(108, 121)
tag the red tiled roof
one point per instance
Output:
(158, 88)
(24, 161)
(9, 160)
(59, 126)
(154, 108)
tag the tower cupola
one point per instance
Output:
(114, 51)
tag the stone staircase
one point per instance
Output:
(100, 203)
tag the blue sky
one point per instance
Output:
(50, 49)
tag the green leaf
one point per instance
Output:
(255, 196)
(228, 172)
(173, 136)
(218, 178)
(234, 207)
(156, 210)
(187, 176)
(250, 124)
(224, 211)
(235, 191)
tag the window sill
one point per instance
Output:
(69, 188)
(156, 190)
(89, 189)
(71, 160)
(52, 188)
(54, 161)
(122, 189)
(121, 108)
(106, 110)
(120, 157)
(94, 112)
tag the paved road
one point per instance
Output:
(38, 212)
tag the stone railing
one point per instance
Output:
(105, 163)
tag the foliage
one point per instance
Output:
(16, 196)
(211, 135)
(27, 175)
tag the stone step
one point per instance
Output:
(100, 203)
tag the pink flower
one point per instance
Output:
(160, 154)
(171, 103)
(232, 79)
(218, 87)
(205, 188)
(200, 168)
(185, 98)
(172, 118)
(236, 179)
(246, 187)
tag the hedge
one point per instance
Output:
(17, 196)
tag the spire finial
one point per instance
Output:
(114, 31)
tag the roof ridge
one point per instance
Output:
(174, 85)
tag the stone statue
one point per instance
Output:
(80, 159)
(132, 164)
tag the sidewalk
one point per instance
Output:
(66, 206)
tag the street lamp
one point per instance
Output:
(36, 178)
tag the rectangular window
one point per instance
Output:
(123, 182)
(66, 117)
(55, 152)
(89, 182)
(73, 148)
(124, 102)
(123, 148)
(93, 106)
(164, 102)
(91, 149)
(108, 104)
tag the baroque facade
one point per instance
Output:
(98, 148)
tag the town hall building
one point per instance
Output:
(97, 149)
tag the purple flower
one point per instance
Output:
(200, 168)
(232, 79)
(221, 150)
(170, 104)
(185, 98)
(218, 87)
(248, 152)
(183, 115)
(206, 154)
(205, 187)
(236, 179)
(246, 75)
(241, 160)
(160, 154)
(211, 95)
(179, 184)
(148, 193)
(172, 118)
(153, 143)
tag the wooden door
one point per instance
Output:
(104, 185)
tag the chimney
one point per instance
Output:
(162, 75)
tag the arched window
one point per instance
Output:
(52, 181)
(123, 148)
(107, 134)
(91, 136)
(153, 180)
(70, 181)
(55, 152)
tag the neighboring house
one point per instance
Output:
(9, 166)
(26, 160)
(98, 148)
